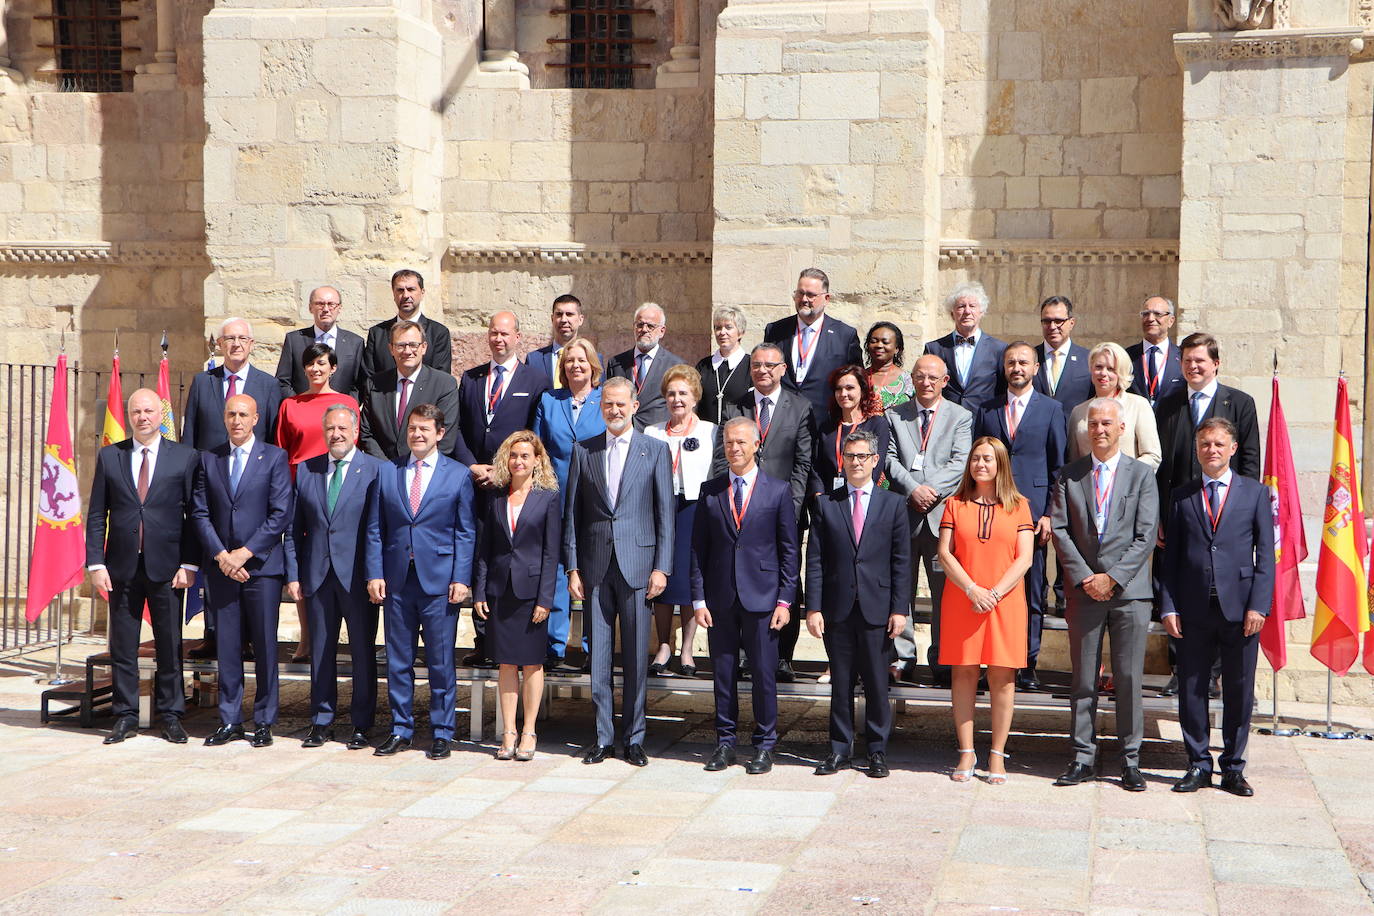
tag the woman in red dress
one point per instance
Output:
(300, 430)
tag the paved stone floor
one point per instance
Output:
(150, 827)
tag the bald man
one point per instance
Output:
(326, 303)
(140, 548)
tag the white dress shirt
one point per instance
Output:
(801, 337)
(748, 477)
(1108, 472)
(410, 395)
(1208, 392)
(508, 368)
(1160, 358)
(624, 448)
(330, 338)
(1059, 358)
(733, 360)
(693, 467)
(241, 375)
(867, 491)
(1020, 403)
(963, 353)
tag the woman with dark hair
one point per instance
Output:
(885, 347)
(300, 430)
(855, 405)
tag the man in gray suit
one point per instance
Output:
(930, 442)
(1105, 517)
(618, 549)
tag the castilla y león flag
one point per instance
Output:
(1290, 543)
(59, 544)
(1342, 598)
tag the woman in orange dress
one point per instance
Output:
(986, 539)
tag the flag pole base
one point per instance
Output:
(1365, 733)
(1330, 734)
(60, 680)
(1279, 731)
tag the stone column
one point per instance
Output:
(827, 151)
(683, 69)
(161, 72)
(501, 67)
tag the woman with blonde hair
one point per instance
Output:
(518, 543)
(986, 540)
(1112, 376)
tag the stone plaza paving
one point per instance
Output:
(149, 827)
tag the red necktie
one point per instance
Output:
(142, 493)
(233, 387)
(401, 404)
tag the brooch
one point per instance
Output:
(690, 445)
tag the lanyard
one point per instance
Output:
(1152, 384)
(1104, 499)
(804, 352)
(1011, 427)
(1215, 519)
(930, 423)
(839, 443)
(677, 455)
(763, 432)
(739, 516)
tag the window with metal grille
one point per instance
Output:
(88, 41)
(600, 42)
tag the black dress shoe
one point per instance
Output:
(1131, 780)
(1075, 774)
(942, 678)
(1214, 688)
(721, 758)
(1171, 688)
(393, 745)
(262, 736)
(877, 765)
(358, 741)
(635, 756)
(248, 654)
(598, 753)
(172, 731)
(439, 750)
(745, 673)
(762, 762)
(1234, 782)
(785, 673)
(318, 735)
(1026, 681)
(125, 727)
(687, 670)
(832, 764)
(203, 651)
(477, 660)
(226, 733)
(1193, 780)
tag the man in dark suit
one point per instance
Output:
(408, 291)
(325, 305)
(1218, 579)
(974, 358)
(387, 398)
(1033, 429)
(203, 426)
(140, 547)
(1064, 372)
(242, 508)
(565, 323)
(1106, 519)
(787, 428)
(325, 549)
(814, 344)
(419, 568)
(858, 591)
(644, 365)
(746, 560)
(1158, 371)
(618, 549)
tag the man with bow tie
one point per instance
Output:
(973, 357)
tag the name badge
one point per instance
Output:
(836, 483)
(918, 463)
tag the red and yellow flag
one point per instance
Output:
(164, 392)
(114, 430)
(1290, 543)
(59, 543)
(1342, 594)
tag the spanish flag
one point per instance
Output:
(1342, 595)
(114, 430)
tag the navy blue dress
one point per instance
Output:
(517, 571)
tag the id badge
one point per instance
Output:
(918, 463)
(836, 483)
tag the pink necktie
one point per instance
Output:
(858, 515)
(415, 488)
(233, 387)
(1012, 419)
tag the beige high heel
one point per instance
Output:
(526, 756)
(506, 753)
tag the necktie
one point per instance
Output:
(1213, 488)
(495, 397)
(1151, 371)
(641, 370)
(765, 415)
(233, 387)
(335, 483)
(806, 348)
(415, 487)
(557, 369)
(739, 496)
(613, 468)
(1197, 407)
(857, 515)
(1012, 418)
(1100, 507)
(925, 423)
(1056, 368)
(401, 400)
(143, 474)
(235, 470)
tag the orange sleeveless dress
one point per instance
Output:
(984, 543)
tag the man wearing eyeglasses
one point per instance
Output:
(325, 305)
(1155, 361)
(388, 397)
(814, 344)
(644, 365)
(203, 426)
(1064, 374)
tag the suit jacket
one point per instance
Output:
(713, 400)
(652, 407)
(381, 436)
(1075, 380)
(638, 531)
(760, 564)
(1038, 450)
(377, 352)
(985, 379)
(524, 564)
(348, 378)
(825, 467)
(1178, 441)
(1170, 377)
(255, 516)
(942, 463)
(1238, 558)
(553, 424)
(786, 450)
(203, 426)
(836, 346)
(320, 541)
(169, 538)
(875, 573)
(478, 438)
(1123, 549)
(440, 537)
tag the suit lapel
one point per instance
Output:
(249, 465)
(726, 510)
(501, 503)
(596, 457)
(1090, 497)
(126, 467)
(1195, 500)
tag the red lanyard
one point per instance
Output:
(804, 352)
(839, 445)
(677, 455)
(1215, 519)
(739, 516)
(930, 423)
(1151, 383)
(763, 432)
(1104, 499)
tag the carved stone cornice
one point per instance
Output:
(497, 253)
(127, 254)
(1054, 252)
(1261, 44)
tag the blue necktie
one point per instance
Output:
(235, 470)
(1197, 407)
(739, 495)
(1214, 487)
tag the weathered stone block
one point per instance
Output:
(852, 96)
(1060, 193)
(1111, 191)
(1049, 107)
(771, 96)
(484, 160)
(1108, 105)
(804, 142)
(608, 161)
(839, 189)
(1023, 224)
(1023, 193)
(748, 55)
(999, 156)
(540, 161)
(1018, 56)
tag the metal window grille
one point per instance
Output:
(89, 46)
(600, 43)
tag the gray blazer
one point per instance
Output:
(1132, 525)
(638, 532)
(942, 466)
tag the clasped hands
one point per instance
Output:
(1099, 586)
(815, 624)
(231, 563)
(376, 591)
(483, 610)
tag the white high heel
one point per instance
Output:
(998, 779)
(964, 775)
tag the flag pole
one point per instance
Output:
(1331, 733)
(1277, 730)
